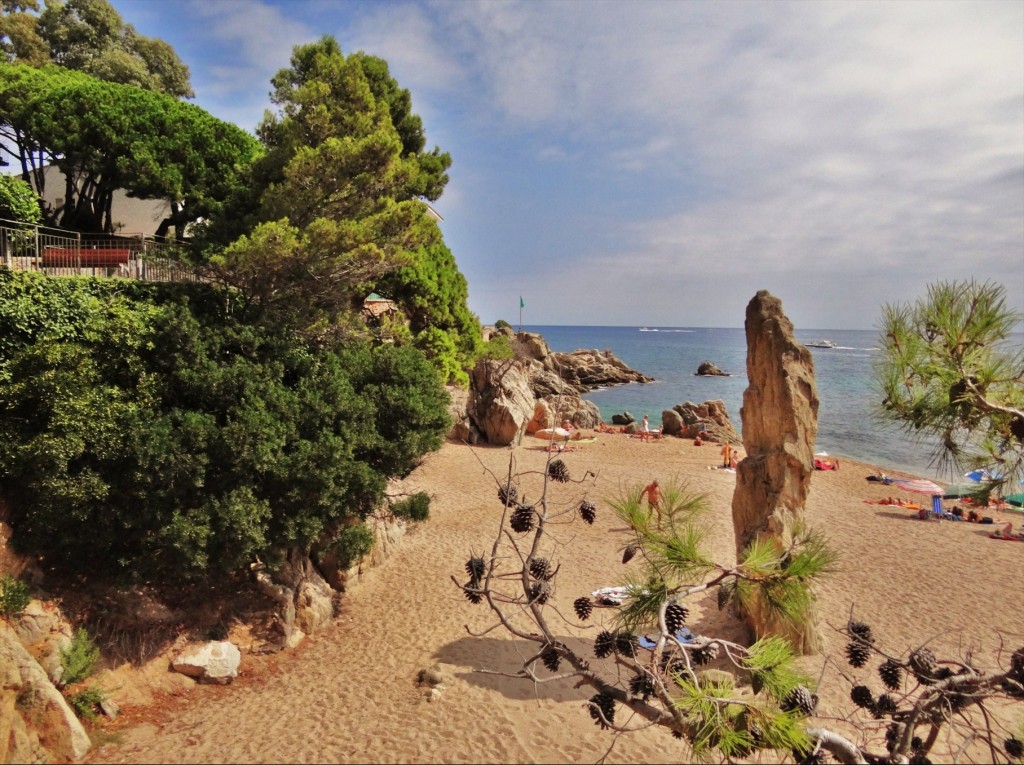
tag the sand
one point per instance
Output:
(349, 693)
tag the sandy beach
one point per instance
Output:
(349, 693)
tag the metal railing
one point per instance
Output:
(58, 252)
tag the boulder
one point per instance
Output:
(625, 418)
(707, 368)
(462, 425)
(671, 423)
(501, 400)
(710, 420)
(780, 426)
(215, 661)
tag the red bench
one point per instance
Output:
(69, 257)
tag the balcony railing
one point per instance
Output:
(57, 252)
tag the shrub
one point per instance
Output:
(351, 544)
(86, 702)
(414, 508)
(14, 597)
(78, 659)
(501, 324)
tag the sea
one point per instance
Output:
(849, 422)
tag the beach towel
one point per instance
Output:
(683, 636)
(994, 535)
(610, 596)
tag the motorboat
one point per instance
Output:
(821, 344)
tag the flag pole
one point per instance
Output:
(520, 314)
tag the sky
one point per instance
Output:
(657, 163)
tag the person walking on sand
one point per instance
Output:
(726, 454)
(654, 498)
(645, 429)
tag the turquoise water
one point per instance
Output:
(848, 424)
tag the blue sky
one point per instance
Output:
(657, 163)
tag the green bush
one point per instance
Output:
(501, 324)
(87, 701)
(14, 596)
(414, 508)
(153, 433)
(351, 544)
(78, 659)
(498, 347)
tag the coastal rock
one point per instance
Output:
(707, 368)
(710, 419)
(462, 425)
(671, 422)
(536, 389)
(780, 426)
(501, 400)
(625, 418)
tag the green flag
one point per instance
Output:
(521, 303)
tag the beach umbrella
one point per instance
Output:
(919, 485)
(923, 486)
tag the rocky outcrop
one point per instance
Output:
(581, 370)
(710, 420)
(36, 723)
(501, 400)
(536, 389)
(706, 368)
(780, 426)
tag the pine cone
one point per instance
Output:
(923, 665)
(469, 589)
(641, 685)
(508, 494)
(607, 706)
(861, 630)
(539, 592)
(522, 519)
(558, 471)
(629, 552)
(858, 653)
(675, 617)
(604, 644)
(583, 608)
(891, 673)
(475, 568)
(626, 643)
(540, 568)
(800, 699)
(550, 658)
(862, 696)
(885, 705)
(588, 511)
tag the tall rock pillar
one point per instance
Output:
(780, 427)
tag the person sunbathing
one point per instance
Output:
(1007, 532)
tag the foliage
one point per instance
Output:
(498, 347)
(90, 36)
(333, 206)
(79, 659)
(433, 294)
(351, 544)
(950, 370)
(14, 597)
(149, 432)
(724, 699)
(502, 324)
(87, 701)
(17, 201)
(108, 136)
(414, 508)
